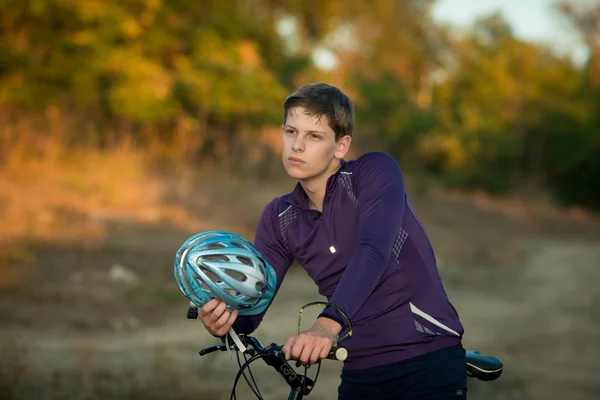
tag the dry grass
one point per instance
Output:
(51, 192)
(67, 199)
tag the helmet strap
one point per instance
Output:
(236, 340)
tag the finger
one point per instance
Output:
(232, 317)
(297, 348)
(217, 312)
(287, 347)
(223, 329)
(222, 319)
(325, 350)
(316, 353)
(306, 352)
(229, 323)
(208, 307)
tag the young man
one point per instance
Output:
(351, 226)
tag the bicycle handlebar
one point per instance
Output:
(255, 347)
(273, 356)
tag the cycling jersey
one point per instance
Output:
(368, 254)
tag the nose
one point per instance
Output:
(298, 144)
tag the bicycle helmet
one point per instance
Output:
(223, 265)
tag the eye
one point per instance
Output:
(315, 136)
(289, 131)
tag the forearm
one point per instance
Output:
(359, 280)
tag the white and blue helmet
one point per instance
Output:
(223, 265)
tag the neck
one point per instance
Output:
(315, 187)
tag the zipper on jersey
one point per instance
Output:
(329, 242)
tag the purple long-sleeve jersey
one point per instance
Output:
(368, 254)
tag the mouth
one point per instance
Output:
(295, 161)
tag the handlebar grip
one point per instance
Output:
(210, 349)
(192, 312)
(338, 353)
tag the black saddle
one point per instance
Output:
(485, 368)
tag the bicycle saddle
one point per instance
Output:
(485, 368)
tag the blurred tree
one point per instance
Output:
(494, 105)
(143, 61)
(204, 79)
(390, 119)
(577, 170)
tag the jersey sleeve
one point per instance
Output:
(381, 196)
(268, 242)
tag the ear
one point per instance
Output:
(342, 146)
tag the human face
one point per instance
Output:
(309, 149)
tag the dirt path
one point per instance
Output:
(541, 320)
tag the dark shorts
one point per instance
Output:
(439, 375)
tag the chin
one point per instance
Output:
(295, 174)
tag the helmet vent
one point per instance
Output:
(216, 257)
(236, 275)
(201, 283)
(245, 260)
(210, 275)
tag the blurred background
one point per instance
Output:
(127, 126)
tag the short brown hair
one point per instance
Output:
(322, 99)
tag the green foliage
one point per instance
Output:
(514, 110)
(392, 114)
(481, 109)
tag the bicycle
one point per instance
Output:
(479, 366)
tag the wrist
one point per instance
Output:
(329, 325)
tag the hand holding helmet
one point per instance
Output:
(216, 317)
